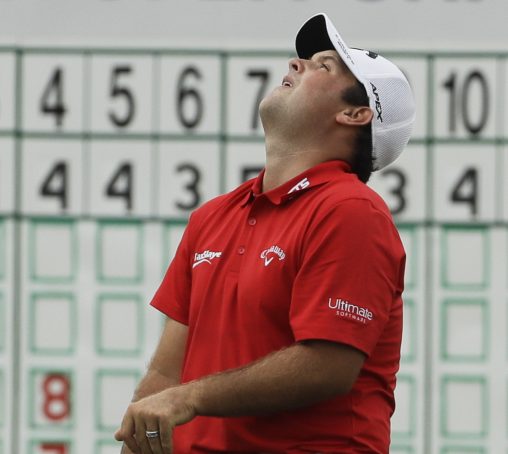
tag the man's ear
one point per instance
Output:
(354, 116)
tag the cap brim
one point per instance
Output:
(318, 34)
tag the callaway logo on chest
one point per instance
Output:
(269, 254)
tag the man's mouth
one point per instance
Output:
(286, 82)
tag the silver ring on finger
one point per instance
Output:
(152, 433)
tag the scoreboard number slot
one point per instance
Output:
(191, 187)
(397, 191)
(7, 90)
(466, 190)
(121, 183)
(250, 79)
(463, 193)
(119, 91)
(121, 94)
(264, 77)
(190, 104)
(460, 105)
(55, 184)
(56, 397)
(54, 448)
(188, 175)
(465, 104)
(52, 99)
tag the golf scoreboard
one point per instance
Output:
(105, 152)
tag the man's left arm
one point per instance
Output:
(300, 375)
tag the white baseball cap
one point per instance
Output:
(390, 95)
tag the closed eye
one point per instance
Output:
(325, 66)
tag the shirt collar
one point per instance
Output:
(315, 176)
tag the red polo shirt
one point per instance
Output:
(316, 258)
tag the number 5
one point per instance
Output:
(121, 91)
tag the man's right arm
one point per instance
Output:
(165, 367)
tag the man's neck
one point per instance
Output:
(280, 170)
(285, 160)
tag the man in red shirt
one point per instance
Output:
(284, 297)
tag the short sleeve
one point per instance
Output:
(173, 295)
(351, 273)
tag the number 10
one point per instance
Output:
(460, 105)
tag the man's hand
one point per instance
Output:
(160, 413)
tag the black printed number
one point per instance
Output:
(191, 187)
(264, 77)
(466, 190)
(55, 184)
(121, 184)
(52, 101)
(474, 116)
(190, 103)
(397, 191)
(118, 90)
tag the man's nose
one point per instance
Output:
(296, 64)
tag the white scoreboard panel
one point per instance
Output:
(103, 155)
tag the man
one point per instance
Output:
(284, 297)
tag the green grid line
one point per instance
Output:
(458, 54)
(17, 321)
(223, 122)
(428, 321)
(3, 323)
(3, 406)
(455, 449)
(220, 135)
(425, 223)
(3, 249)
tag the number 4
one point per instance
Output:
(55, 184)
(52, 98)
(121, 184)
(466, 190)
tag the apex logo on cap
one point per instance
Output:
(379, 108)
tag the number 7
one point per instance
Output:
(264, 76)
(55, 448)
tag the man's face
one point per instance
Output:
(311, 91)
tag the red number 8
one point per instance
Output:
(56, 390)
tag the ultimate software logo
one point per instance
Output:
(345, 309)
